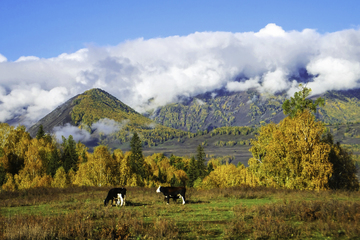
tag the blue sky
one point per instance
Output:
(48, 28)
(51, 50)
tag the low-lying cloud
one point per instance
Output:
(171, 68)
(107, 126)
(67, 130)
(104, 126)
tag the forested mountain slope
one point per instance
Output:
(84, 110)
(249, 108)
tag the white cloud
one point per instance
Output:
(67, 130)
(242, 86)
(333, 74)
(108, 126)
(271, 30)
(27, 58)
(168, 69)
(2, 58)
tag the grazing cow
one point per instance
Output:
(172, 192)
(118, 194)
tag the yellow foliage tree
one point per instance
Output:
(14, 142)
(9, 185)
(224, 176)
(60, 179)
(100, 168)
(33, 174)
(291, 154)
(124, 167)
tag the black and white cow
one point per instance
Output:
(172, 192)
(118, 194)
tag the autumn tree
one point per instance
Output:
(60, 179)
(14, 142)
(294, 153)
(33, 174)
(291, 154)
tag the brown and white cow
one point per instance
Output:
(172, 192)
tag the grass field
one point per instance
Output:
(235, 213)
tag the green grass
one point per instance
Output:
(235, 213)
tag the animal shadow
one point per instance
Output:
(196, 202)
(135, 204)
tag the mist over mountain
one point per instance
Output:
(151, 73)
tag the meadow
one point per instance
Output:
(232, 213)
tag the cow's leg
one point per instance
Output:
(167, 200)
(183, 198)
(120, 199)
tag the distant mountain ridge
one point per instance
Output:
(203, 112)
(250, 108)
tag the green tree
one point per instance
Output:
(192, 172)
(40, 132)
(136, 157)
(200, 161)
(69, 155)
(210, 168)
(54, 163)
(300, 102)
(2, 174)
(344, 168)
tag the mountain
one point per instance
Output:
(250, 108)
(85, 111)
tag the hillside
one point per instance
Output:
(249, 108)
(85, 110)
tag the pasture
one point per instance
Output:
(234, 213)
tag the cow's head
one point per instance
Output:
(158, 190)
(105, 202)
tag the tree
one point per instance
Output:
(291, 154)
(136, 157)
(69, 155)
(2, 174)
(200, 161)
(210, 168)
(60, 179)
(297, 153)
(15, 146)
(40, 132)
(54, 162)
(299, 103)
(192, 172)
(344, 168)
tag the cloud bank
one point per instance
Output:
(167, 69)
